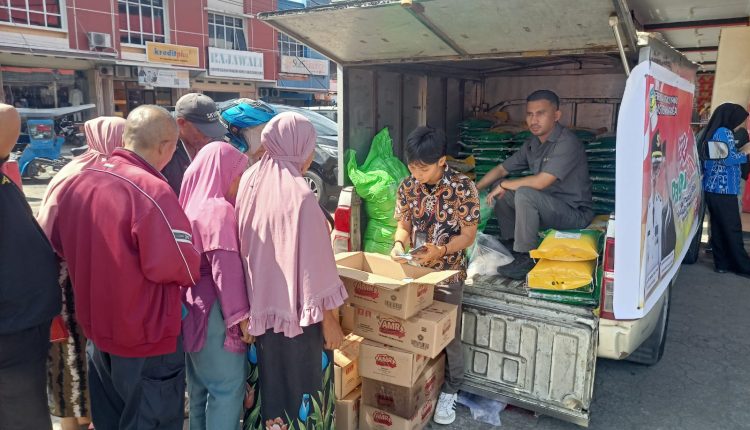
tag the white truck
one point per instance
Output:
(437, 62)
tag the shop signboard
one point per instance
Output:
(304, 66)
(177, 55)
(656, 149)
(164, 78)
(235, 64)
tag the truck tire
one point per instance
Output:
(652, 349)
(694, 252)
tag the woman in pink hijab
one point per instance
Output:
(293, 285)
(68, 392)
(215, 328)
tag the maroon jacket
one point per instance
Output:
(129, 249)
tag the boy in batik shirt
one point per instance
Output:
(437, 208)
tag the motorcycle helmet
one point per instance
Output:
(242, 114)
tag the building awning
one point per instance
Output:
(36, 75)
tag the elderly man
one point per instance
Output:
(128, 258)
(199, 124)
(29, 299)
(557, 194)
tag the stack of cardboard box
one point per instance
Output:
(347, 382)
(400, 362)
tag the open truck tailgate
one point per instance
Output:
(534, 354)
(384, 31)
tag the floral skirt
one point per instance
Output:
(66, 371)
(290, 386)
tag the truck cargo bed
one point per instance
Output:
(527, 352)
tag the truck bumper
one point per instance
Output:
(618, 339)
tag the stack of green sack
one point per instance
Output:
(377, 182)
(488, 146)
(601, 159)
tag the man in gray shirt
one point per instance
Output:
(557, 194)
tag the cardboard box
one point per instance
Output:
(345, 370)
(426, 333)
(404, 401)
(375, 419)
(388, 364)
(347, 411)
(376, 282)
(347, 318)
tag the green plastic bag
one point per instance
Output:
(378, 237)
(485, 211)
(377, 182)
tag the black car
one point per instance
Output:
(323, 174)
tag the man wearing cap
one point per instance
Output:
(199, 124)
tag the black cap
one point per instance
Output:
(200, 110)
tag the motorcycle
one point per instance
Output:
(40, 144)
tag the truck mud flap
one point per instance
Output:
(529, 353)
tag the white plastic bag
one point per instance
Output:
(482, 409)
(487, 255)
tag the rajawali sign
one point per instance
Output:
(235, 64)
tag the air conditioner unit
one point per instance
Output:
(106, 71)
(123, 72)
(99, 40)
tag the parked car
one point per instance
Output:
(330, 112)
(323, 174)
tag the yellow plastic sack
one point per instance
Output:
(599, 223)
(570, 245)
(561, 275)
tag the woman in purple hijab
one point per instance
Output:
(215, 328)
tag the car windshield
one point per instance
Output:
(323, 126)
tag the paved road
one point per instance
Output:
(703, 381)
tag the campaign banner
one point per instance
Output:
(656, 149)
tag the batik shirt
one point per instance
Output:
(723, 176)
(437, 213)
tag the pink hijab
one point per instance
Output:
(203, 192)
(284, 237)
(103, 135)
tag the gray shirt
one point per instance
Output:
(562, 156)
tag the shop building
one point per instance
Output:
(46, 64)
(123, 53)
(304, 77)
(240, 55)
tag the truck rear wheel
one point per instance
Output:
(652, 349)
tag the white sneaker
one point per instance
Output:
(445, 412)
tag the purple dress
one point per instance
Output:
(222, 278)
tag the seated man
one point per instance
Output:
(557, 194)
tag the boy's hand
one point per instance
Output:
(430, 254)
(397, 252)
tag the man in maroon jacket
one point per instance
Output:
(128, 247)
